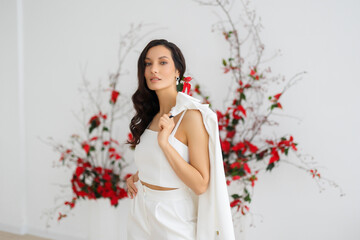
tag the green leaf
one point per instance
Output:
(286, 151)
(270, 167)
(273, 106)
(247, 198)
(229, 128)
(224, 62)
(105, 129)
(235, 196)
(242, 96)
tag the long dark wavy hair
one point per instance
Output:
(145, 100)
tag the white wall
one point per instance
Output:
(58, 36)
(12, 140)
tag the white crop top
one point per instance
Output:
(151, 162)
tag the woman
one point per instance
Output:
(171, 154)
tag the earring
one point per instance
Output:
(177, 80)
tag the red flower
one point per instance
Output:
(79, 171)
(117, 156)
(197, 88)
(94, 120)
(86, 148)
(123, 193)
(235, 115)
(275, 156)
(235, 165)
(228, 182)
(187, 85)
(230, 134)
(253, 178)
(71, 204)
(94, 138)
(187, 79)
(239, 107)
(107, 177)
(236, 177)
(114, 201)
(79, 160)
(252, 147)
(98, 170)
(277, 96)
(235, 202)
(87, 165)
(219, 115)
(130, 136)
(114, 96)
(102, 115)
(225, 145)
(239, 147)
(246, 167)
(252, 72)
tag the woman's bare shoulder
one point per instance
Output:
(193, 122)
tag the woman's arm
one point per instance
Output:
(195, 175)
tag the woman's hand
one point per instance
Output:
(132, 190)
(166, 125)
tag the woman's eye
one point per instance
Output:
(146, 64)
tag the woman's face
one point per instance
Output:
(159, 64)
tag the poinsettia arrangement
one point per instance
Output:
(245, 152)
(95, 158)
(97, 162)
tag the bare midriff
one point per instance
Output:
(155, 187)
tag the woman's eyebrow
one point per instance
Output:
(159, 57)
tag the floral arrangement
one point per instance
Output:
(95, 157)
(245, 152)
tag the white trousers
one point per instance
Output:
(162, 214)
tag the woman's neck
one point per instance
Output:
(166, 101)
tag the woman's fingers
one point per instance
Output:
(132, 190)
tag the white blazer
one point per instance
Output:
(214, 214)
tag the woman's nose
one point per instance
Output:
(153, 69)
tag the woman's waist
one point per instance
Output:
(163, 195)
(161, 180)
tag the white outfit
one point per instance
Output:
(153, 166)
(214, 219)
(161, 214)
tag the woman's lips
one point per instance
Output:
(155, 80)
